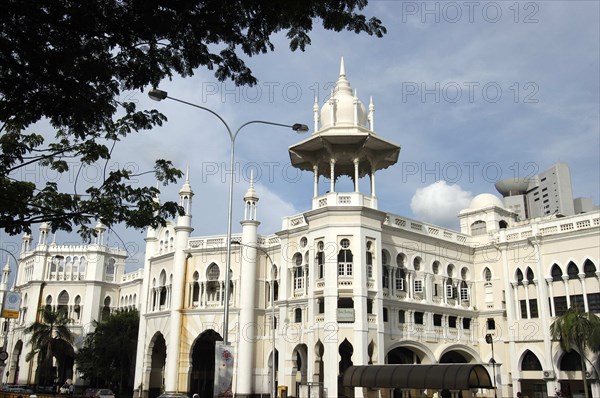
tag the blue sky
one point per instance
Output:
(473, 92)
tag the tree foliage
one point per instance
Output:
(580, 331)
(108, 354)
(68, 62)
(50, 335)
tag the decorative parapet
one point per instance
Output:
(547, 227)
(220, 242)
(424, 229)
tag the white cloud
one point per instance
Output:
(439, 203)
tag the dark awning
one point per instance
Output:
(450, 376)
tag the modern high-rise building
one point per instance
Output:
(547, 193)
(343, 283)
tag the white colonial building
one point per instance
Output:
(352, 285)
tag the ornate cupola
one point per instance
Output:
(344, 144)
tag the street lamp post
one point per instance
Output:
(490, 340)
(159, 95)
(272, 301)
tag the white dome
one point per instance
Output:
(343, 101)
(485, 200)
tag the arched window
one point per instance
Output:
(589, 269)
(298, 272)
(530, 275)
(478, 228)
(77, 308)
(106, 308)
(213, 272)
(503, 224)
(530, 362)
(345, 259)
(163, 288)
(195, 289)
(487, 274)
(369, 265)
(572, 270)
(63, 302)
(435, 267)
(519, 276)
(417, 263)
(320, 260)
(556, 273)
(110, 269)
(385, 271)
(82, 265)
(49, 302)
(401, 260)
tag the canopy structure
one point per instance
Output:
(440, 376)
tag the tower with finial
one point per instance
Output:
(248, 304)
(344, 144)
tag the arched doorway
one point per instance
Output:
(15, 358)
(158, 349)
(319, 371)
(402, 356)
(453, 357)
(300, 359)
(202, 376)
(345, 350)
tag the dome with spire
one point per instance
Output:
(339, 109)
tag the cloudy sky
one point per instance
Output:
(473, 92)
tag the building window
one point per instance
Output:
(369, 306)
(400, 275)
(464, 291)
(452, 322)
(418, 285)
(466, 323)
(385, 278)
(385, 314)
(577, 302)
(491, 324)
(320, 264)
(437, 320)
(478, 228)
(345, 243)
(572, 271)
(589, 269)
(418, 318)
(560, 305)
(298, 315)
(487, 274)
(533, 308)
(345, 262)
(369, 265)
(450, 290)
(401, 316)
(523, 305)
(298, 278)
(594, 302)
(556, 273)
(321, 302)
(519, 277)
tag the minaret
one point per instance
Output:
(100, 229)
(26, 243)
(44, 231)
(174, 367)
(151, 248)
(247, 320)
(5, 274)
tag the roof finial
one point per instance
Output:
(342, 68)
(187, 174)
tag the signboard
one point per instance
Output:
(11, 305)
(345, 314)
(224, 356)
